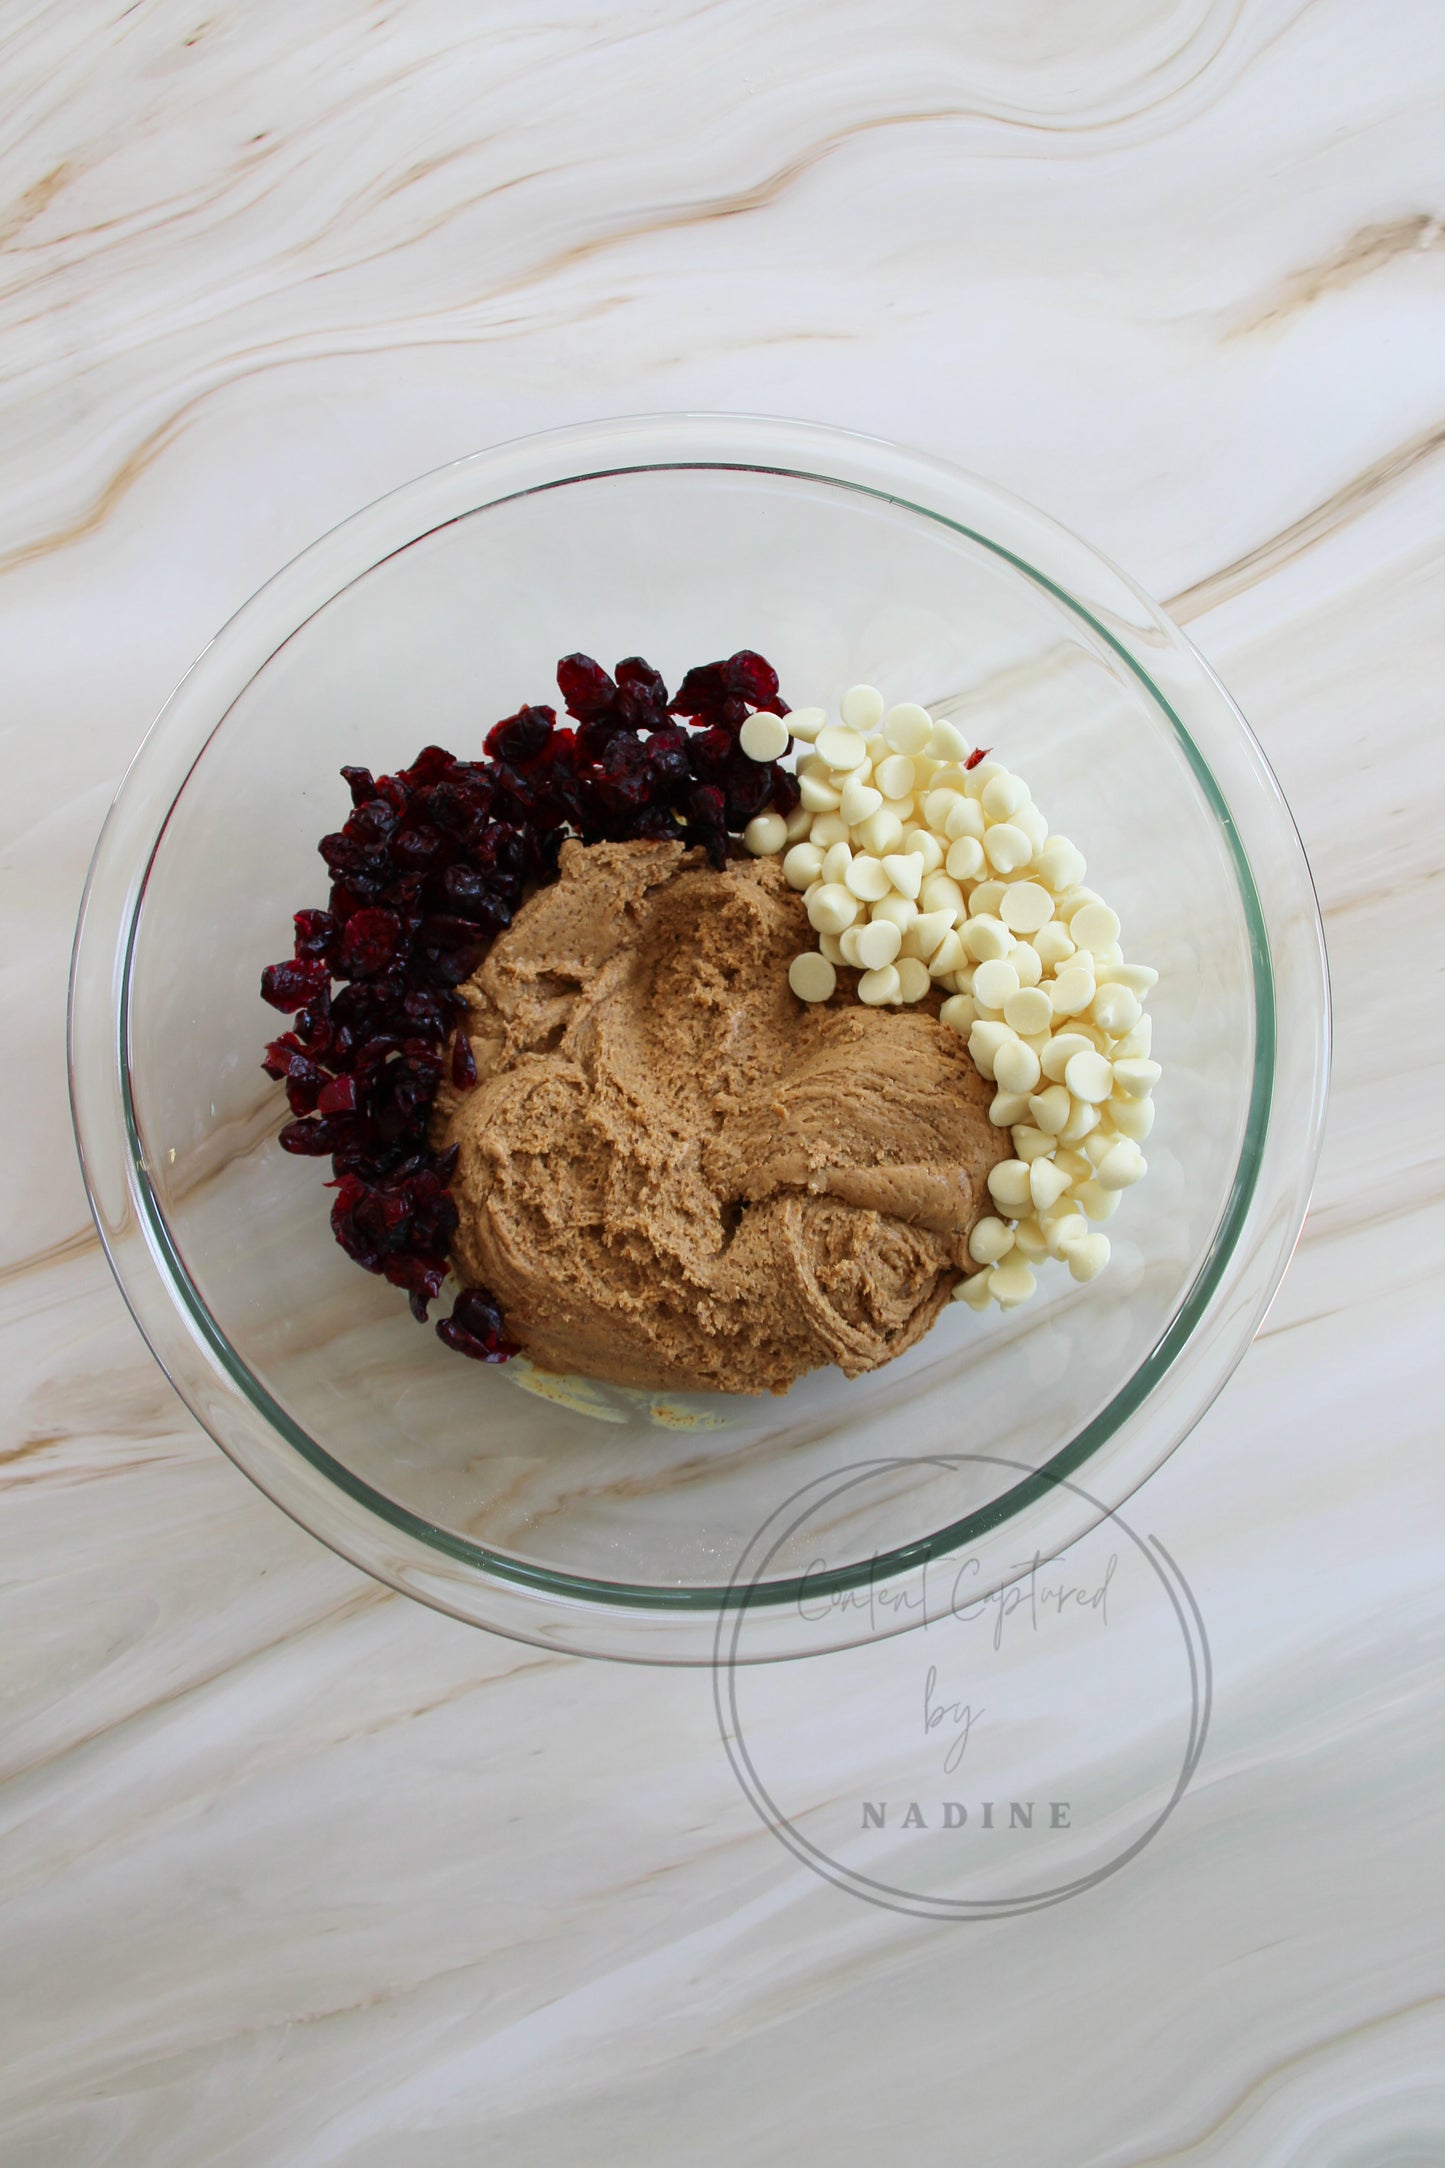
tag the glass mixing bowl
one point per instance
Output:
(609, 1523)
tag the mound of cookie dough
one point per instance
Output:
(672, 1171)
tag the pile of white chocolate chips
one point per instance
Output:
(921, 865)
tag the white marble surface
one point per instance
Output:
(296, 1872)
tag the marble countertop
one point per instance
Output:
(297, 1872)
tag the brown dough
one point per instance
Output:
(673, 1172)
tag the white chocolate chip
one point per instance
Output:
(1060, 864)
(1062, 1231)
(905, 872)
(991, 1240)
(1122, 1165)
(1025, 907)
(841, 747)
(803, 865)
(1030, 1143)
(899, 909)
(1028, 1009)
(1095, 926)
(1061, 1049)
(1008, 1185)
(1090, 1077)
(986, 939)
(866, 878)
(1136, 1077)
(1047, 1183)
(1007, 1108)
(879, 987)
(1002, 797)
(1025, 959)
(957, 1013)
(861, 707)
(1050, 1108)
(974, 1290)
(948, 743)
(1011, 1282)
(895, 776)
(830, 908)
(836, 861)
(805, 723)
(1098, 1202)
(965, 818)
(949, 956)
(1139, 1040)
(984, 900)
(1029, 1240)
(965, 859)
(1087, 1257)
(880, 832)
(940, 892)
(1082, 1118)
(994, 981)
(1007, 848)
(1114, 1009)
(918, 843)
(1053, 944)
(913, 979)
(876, 944)
(799, 824)
(828, 829)
(1133, 1118)
(857, 800)
(984, 1041)
(764, 736)
(1072, 991)
(1137, 977)
(928, 931)
(765, 835)
(1016, 1067)
(909, 727)
(812, 977)
(817, 795)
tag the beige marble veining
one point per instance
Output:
(294, 1872)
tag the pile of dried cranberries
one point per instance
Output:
(431, 865)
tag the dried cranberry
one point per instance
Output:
(787, 792)
(432, 765)
(370, 941)
(750, 678)
(363, 785)
(709, 753)
(748, 785)
(641, 694)
(306, 1087)
(316, 933)
(475, 1328)
(521, 737)
(290, 986)
(464, 1063)
(585, 687)
(980, 752)
(313, 1138)
(337, 1096)
(701, 691)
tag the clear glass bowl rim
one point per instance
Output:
(1051, 557)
